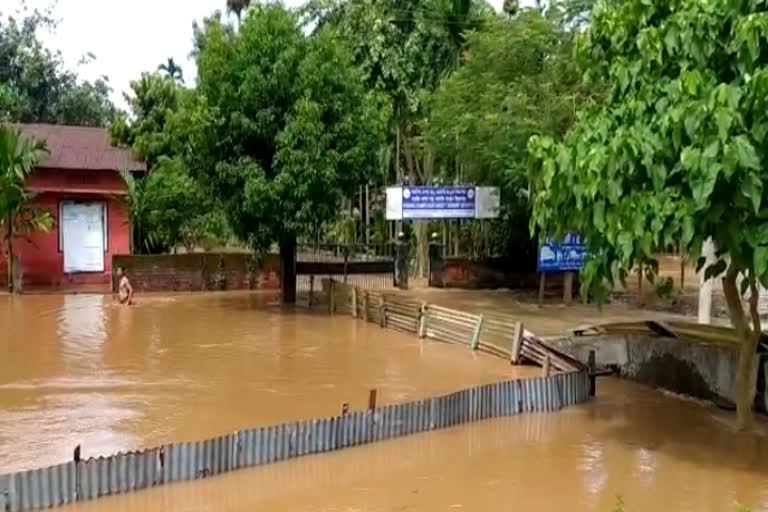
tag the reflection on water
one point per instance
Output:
(81, 369)
(188, 367)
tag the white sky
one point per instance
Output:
(129, 37)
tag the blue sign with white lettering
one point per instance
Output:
(563, 257)
(438, 202)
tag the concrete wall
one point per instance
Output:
(200, 271)
(695, 369)
(41, 254)
(497, 273)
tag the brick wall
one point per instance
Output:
(497, 273)
(200, 272)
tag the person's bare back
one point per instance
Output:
(124, 288)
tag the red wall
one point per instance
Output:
(42, 259)
(55, 180)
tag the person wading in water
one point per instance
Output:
(124, 288)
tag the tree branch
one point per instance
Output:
(754, 296)
(733, 301)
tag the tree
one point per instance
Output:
(35, 87)
(405, 49)
(238, 7)
(284, 127)
(518, 82)
(154, 101)
(167, 207)
(18, 158)
(172, 70)
(675, 155)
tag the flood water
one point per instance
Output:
(80, 370)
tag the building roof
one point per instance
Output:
(81, 148)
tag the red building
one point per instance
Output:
(79, 183)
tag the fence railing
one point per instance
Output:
(500, 335)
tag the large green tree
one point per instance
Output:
(405, 49)
(517, 81)
(154, 99)
(34, 85)
(675, 155)
(167, 207)
(284, 127)
(18, 158)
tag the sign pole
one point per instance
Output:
(568, 288)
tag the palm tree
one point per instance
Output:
(237, 7)
(18, 158)
(173, 70)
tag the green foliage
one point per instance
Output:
(675, 155)
(18, 158)
(172, 70)
(168, 207)
(153, 102)
(284, 127)
(35, 87)
(517, 81)
(237, 7)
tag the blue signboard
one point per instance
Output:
(562, 257)
(438, 202)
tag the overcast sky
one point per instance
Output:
(129, 37)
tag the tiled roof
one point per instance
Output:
(80, 147)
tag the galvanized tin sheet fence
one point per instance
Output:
(127, 472)
(496, 334)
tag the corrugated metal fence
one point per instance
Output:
(127, 472)
(497, 334)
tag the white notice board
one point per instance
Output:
(82, 226)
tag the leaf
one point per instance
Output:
(598, 217)
(724, 120)
(760, 262)
(752, 189)
(690, 158)
(688, 230)
(712, 150)
(746, 153)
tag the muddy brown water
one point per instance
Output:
(79, 370)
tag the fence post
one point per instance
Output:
(591, 363)
(476, 335)
(382, 311)
(332, 297)
(354, 302)
(346, 262)
(517, 343)
(423, 320)
(365, 305)
(311, 289)
(546, 366)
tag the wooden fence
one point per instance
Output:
(499, 335)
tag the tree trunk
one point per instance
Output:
(745, 386)
(288, 269)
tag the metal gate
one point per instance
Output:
(366, 266)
